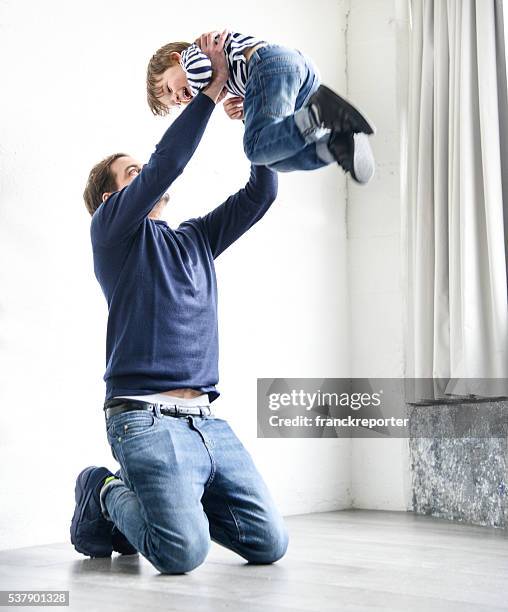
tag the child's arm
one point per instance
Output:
(226, 223)
(212, 45)
(196, 62)
(198, 68)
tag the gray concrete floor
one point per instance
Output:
(348, 560)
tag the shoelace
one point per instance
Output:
(345, 122)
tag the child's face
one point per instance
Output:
(175, 88)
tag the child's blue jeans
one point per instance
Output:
(279, 130)
(186, 480)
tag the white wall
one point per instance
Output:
(73, 91)
(377, 51)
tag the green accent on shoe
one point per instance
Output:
(109, 478)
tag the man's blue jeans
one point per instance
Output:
(279, 132)
(187, 480)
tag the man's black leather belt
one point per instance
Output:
(116, 406)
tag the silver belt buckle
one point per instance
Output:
(185, 410)
(165, 409)
(193, 410)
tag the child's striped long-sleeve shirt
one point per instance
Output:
(198, 67)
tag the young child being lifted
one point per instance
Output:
(292, 122)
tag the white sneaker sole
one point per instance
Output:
(363, 159)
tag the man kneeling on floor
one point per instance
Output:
(185, 477)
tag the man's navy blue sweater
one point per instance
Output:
(160, 282)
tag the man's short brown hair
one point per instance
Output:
(157, 66)
(100, 180)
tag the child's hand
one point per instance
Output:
(234, 107)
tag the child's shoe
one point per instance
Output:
(353, 153)
(335, 113)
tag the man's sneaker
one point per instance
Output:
(120, 543)
(353, 153)
(90, 531)
(333, 112)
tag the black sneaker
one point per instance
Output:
(120, 543)
(353, 153)
(90, 531)
(333, 112)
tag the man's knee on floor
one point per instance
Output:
(271, 546)
(190, 554)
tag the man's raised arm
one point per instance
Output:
(226, 223)
(124, 211)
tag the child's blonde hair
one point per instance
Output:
(160, 62)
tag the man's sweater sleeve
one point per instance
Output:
(226, 223)
(124, 211)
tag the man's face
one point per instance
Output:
(125, 170)
(174, 87)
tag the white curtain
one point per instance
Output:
(456, 175)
